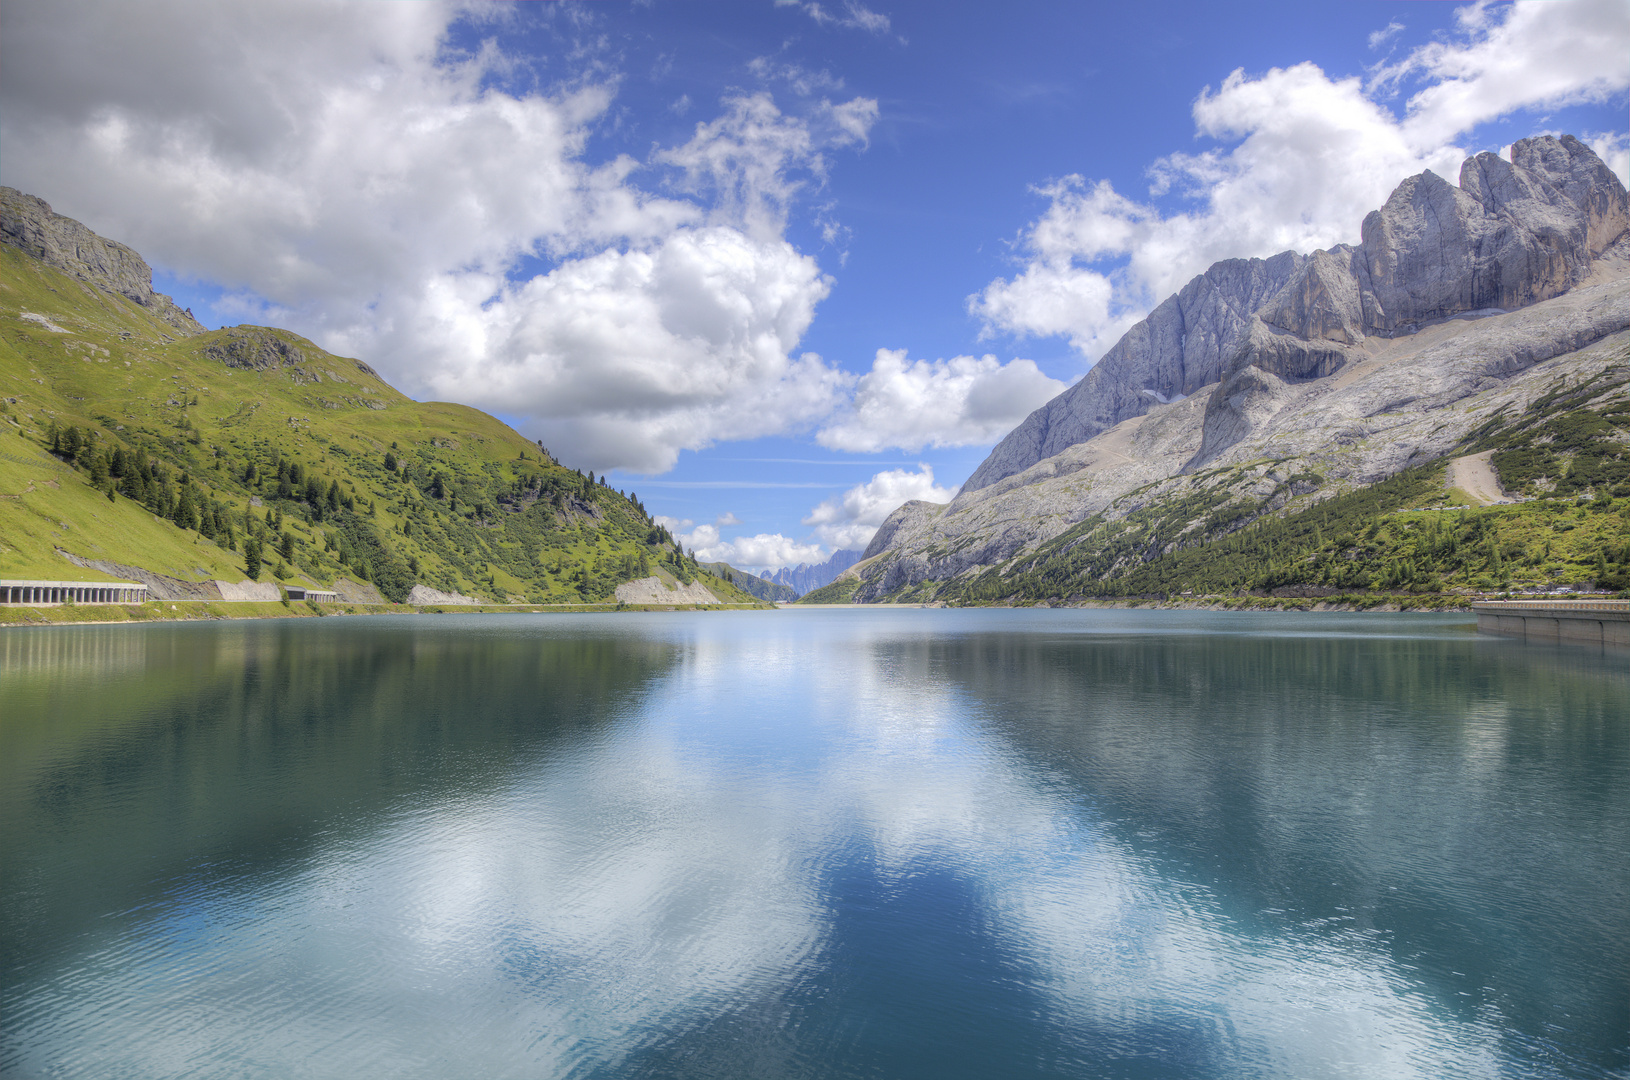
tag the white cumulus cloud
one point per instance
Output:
(1304, 157)
(1509, 57)
(848, 520)
(958, 402)
(763, 551)
(363, 182)
(851, 519)
(629, 356)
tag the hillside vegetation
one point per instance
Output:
(1567, 458)
(250, 452)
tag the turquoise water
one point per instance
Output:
(813, 844)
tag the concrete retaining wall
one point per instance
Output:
(1572, 622)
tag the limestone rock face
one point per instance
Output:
(1301, 376)
(1181, 347)
(653, 590)
(1511, 234)
(1573, 169)
(1409, 400)
(1431, 252)
(1245, 402)
(243, 590)
(29, 223)
(424, 594)
(1321, 302)
(909, 516)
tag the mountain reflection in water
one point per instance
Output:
(813, 844)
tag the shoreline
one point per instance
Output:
(21, 616)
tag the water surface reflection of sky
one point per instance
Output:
(817, 844)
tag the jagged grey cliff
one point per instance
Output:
(1281, 377)
(1513, 233)
(28, 222)
(807, 577)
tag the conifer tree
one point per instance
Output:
(186, 510)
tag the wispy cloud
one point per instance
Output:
(853, 15)
(1380, 37)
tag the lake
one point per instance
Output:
(826, 843)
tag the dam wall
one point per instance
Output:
(1583, 622)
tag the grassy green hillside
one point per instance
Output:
(187, 456)
(841, 591)
(1568, 456)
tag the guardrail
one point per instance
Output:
(1541, 606)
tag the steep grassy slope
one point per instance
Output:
(122, 440)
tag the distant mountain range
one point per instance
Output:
(806, 577)
(761, 587)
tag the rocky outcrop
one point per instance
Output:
(653, 590)
(355, 592)
(262, 348)
(1511, 234)
(424, 594)
(908, 517)
(246, 590)
(256, 348)
(29, 223)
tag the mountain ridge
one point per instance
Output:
(807, 577)
(136, 443)
(1511, 234)
(1376, 371)
(28, 223)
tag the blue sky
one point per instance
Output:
(671, 239)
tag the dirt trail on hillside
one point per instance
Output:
(1476, 477)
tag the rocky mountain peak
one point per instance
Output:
(28, 222)
(1510, 234)
(807, 577)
